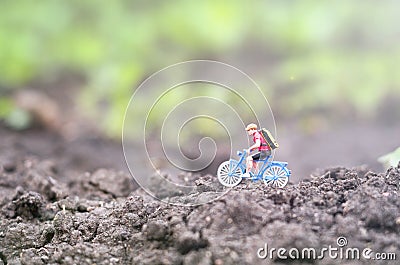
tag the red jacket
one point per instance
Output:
(264, 146)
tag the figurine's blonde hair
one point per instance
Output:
(251, 126)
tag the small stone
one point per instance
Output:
(124, 235)
(29, 205)
(156, 230)
(188, 241)
(9, 166)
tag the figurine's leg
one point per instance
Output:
(255, 157)
(255, 167)
(249, 163)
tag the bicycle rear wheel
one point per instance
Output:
(276, 176)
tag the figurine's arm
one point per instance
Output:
(255, 146)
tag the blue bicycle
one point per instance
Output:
(273, 173)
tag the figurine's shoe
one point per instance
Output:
(246, 175)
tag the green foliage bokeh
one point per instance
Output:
(318, 53)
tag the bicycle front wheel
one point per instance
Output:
(228, 174)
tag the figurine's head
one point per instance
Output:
(251, 128)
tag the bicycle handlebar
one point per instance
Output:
(240, 153)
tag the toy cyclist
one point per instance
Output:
(259, 143)
(274, 173)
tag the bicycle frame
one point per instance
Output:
(242, 164)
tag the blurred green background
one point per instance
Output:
(339, 59)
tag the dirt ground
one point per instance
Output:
(75, 209)
(70, 200)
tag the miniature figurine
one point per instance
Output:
(259, 143)
(273, 173)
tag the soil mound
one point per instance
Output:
(99, 218)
